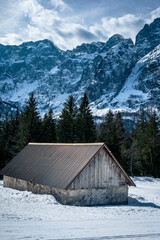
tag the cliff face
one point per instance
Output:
(116, 74)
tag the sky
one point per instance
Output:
(69, 23)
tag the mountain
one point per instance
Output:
(142, 87)
(112, 71)
(116, 74)
(148, 38)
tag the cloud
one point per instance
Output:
(85, 34)
(127, 25)
(154, 14)
(63, 34)
(35, 20)
(11, 39)
(32, 20)
(57, 5)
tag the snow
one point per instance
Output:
(102, 112)
(130, 90)
(26, 215)
(22, 91)
(76, 70)
(59, 100)
(54, 70)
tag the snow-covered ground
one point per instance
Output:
(24, 215)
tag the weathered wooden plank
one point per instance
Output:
(101, 172)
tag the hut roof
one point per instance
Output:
(54, 164)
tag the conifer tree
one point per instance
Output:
(153, 146)
(4, 139)
(13, 136)
(48, 132)
(86, 131)
(1, 145)
(114, 143)
(121, 130)
(8, 138)
(140, 141)
(30, 124)
(66, 123)
(147, 145)
(107, 129)
(114, 134)
(124, 142)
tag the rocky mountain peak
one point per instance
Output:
(109, 72)
(86, 48)
(148, 38)
(112, 41)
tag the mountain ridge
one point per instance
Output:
(100, 69)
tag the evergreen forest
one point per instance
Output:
(137, 151)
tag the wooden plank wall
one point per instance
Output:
(101, 172)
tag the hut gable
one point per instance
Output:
(100, 172)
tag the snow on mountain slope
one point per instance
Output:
(25, 215)
(148, 38)
(51, 73)
(112, 72)
(100, 69)
(143, 84)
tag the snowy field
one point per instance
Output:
(24, 215)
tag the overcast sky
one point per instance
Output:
(69, 23)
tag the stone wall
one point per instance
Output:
(79, 197)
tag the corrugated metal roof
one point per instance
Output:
(55, 165)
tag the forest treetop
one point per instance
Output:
(138, 152)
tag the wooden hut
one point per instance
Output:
(75, 174)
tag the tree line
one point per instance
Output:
(138, 152)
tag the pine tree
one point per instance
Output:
(30, 124)
(66, 123)
(86, 131)
(114, 145)
(146, 150)
(115, 136)
(106, 129)
(124, 142)
(146, 141)
(48, 132)
(121, 130)
(140, 141)
(4, 131)
(1, 145)
(13, 135)
(8, 138)
(153, 146)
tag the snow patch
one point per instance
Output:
(27, 215)
(54, 70)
